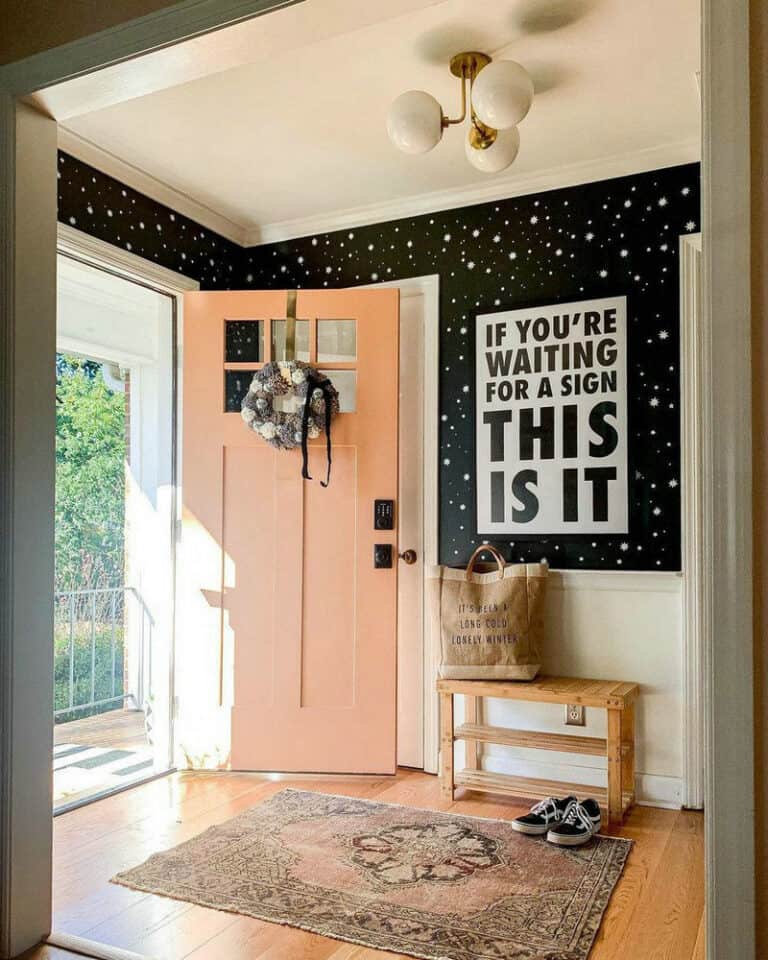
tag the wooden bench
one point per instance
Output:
(617, 698)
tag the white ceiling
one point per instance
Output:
(297, 135)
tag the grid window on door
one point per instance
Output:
(336, 341)
(279, 328)
(330, 345)
(244, 341)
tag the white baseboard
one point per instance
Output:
(652, 790)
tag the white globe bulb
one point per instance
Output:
(499, 155)
(502, 94)
(415, 122)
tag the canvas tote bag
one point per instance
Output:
(490, 620)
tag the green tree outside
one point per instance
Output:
(90, 536)
(90, 477)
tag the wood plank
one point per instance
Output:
(528, 787)
(472, 718)
(589, 693)
(531, 788)
(700, 950)
(564, 743)
(650, 830)
(446, 745)
(615, 805)
(116, 728)
(628, 749)
(671, 903)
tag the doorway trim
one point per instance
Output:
(107, 257)
(696, 467)
(428, 286)
(729, 798)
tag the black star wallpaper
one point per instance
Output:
(91, 201)
(615, 237)
(609, 238)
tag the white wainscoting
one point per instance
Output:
(623, 626)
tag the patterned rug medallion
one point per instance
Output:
(432, 885)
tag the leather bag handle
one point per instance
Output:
(486, 548)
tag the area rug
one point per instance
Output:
(433, 885)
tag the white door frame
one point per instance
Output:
(428, 287)
(128, 266)
(27, 345)
(729, 795)
(696, 476)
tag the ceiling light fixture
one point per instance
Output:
(500, 95)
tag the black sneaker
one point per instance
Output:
(580, 822)
(542, 816)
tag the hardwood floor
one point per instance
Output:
(655, 914)
(120, 729)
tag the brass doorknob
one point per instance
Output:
(408, 556)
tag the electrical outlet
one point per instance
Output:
(574, 715)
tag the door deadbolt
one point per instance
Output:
(408, 556)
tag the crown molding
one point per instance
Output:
(83, 149)
(497, 188)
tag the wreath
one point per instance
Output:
(287, 430)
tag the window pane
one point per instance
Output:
(302, 339)
(336, 341)
(244, 341)
(236, 383)
(345, 382)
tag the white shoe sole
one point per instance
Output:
(530, 829)
(565, 840)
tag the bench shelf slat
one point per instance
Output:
(530, 788)
(533, 739)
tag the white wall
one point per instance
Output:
(606, 625)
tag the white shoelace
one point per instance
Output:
(576, 814)
(547, 808)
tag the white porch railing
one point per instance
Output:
(102, 650)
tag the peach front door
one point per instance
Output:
(296, 621)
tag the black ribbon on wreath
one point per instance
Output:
(323, 384)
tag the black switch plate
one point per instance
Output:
(382, 555)
(383, 514)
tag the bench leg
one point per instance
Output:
(628, 751)
(615, 804)
(446, 747)
(471, 715)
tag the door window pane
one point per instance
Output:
(244, 341)
(236, 384)
(345, 382)
(336, 341)
(302, 339)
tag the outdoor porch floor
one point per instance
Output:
(99, 753)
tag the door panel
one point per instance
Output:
(305, 628)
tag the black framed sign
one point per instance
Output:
(551, 419)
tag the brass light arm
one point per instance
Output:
(466, 66)
(447, 121)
